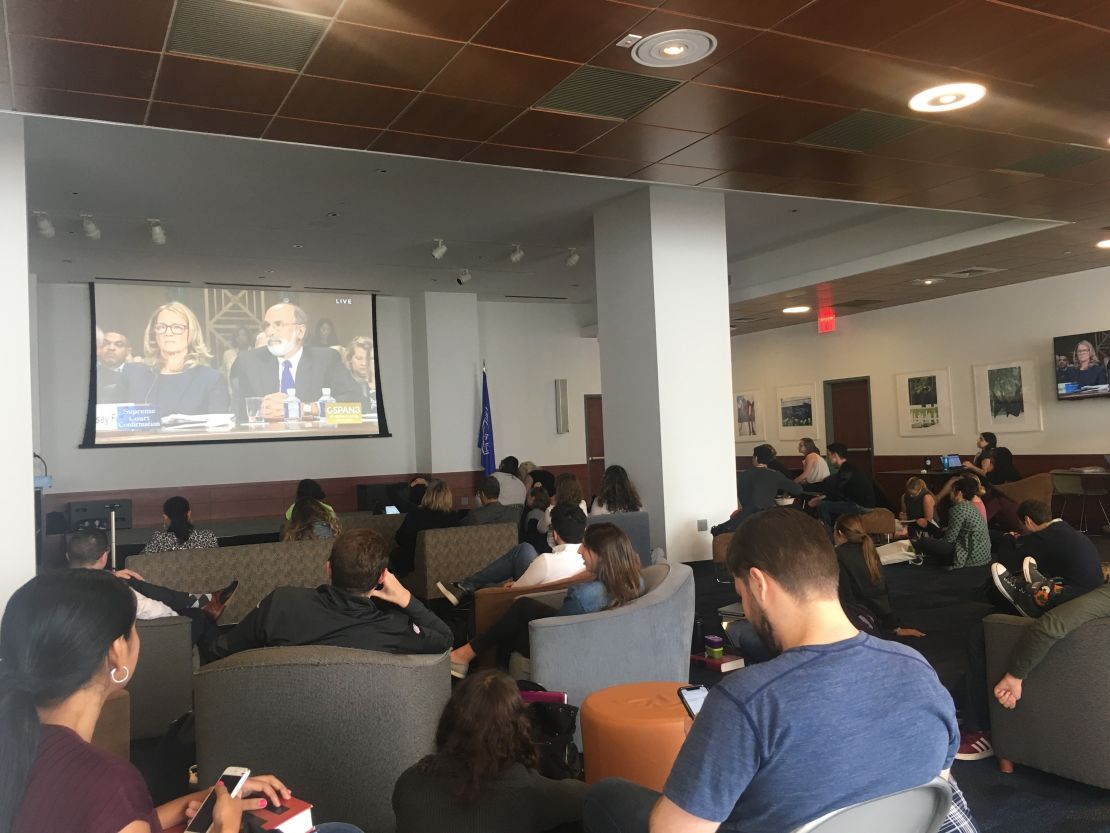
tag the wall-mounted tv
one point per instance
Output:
(1082, 364)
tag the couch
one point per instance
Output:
(338, 725)
(647, 640)
(636, 525)
(450, 554)
(1034, 487)
(384, 525)
(1061, 724)
(879, 521)
(491, 603)
(160, 689)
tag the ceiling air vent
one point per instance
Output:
(592, 91)
(248, 34)
(862, 131)
(1058, 159)
(969, 272)
(537, 298)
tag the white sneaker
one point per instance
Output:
(447, 594)
(459, 670)
(1032, 574)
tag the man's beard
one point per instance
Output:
(279, 348)
(763, 627)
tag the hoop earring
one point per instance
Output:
(126, 675)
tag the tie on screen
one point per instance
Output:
(287, 376)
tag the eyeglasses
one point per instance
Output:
(277, 325)
(176, 329)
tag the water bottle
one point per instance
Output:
(292, 408)
(928, 464)
(322, 404)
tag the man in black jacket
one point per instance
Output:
(364, 606)
(849, 490)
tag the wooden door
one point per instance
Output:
(595, 446)
(849, 404)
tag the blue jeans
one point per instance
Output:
(742, 634)
(829, 510)
(336, 827)
(508, 567)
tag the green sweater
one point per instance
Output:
(968, 531)
(1056, 624)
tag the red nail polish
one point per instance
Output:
(261, 802)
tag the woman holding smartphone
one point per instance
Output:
(67, 641)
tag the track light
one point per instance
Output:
(572, 258)
(92, 230)
(439, 249)
(464, 277)
(517, 254)
(157, 233)
(46, 228)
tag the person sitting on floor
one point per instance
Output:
(607, 554)
(919, 509)
(67, 643)
(966, 542)
(434, 512)
(758, 487)
(491, 511)
(179, 532)
(849, 490)
(522, 566)
(1059, 563)
(89, 551)
(363, 606)
(310, 520)
(482, 777)
(617, 493)
(817, 715)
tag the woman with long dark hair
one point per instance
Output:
(607, 554)
(310, 520)
(68, 641)
(863, 591)
(482, 777)
(179, 532)
(617, 494)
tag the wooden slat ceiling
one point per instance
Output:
(458, 79)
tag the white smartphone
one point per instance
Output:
(693, 697)
(234, 777)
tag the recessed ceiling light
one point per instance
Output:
(298, 245)
(673, 48)
(1103, 244)
(795, 310)
(926, 281)
(947, 97)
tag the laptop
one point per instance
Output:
(951, 462)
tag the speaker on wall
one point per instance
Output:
(562, 411)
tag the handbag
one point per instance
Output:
(553, 727)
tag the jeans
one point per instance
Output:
(510, 632)
(336, 827)
(936, 551)
(508, 567)
(614, 805)
(829, 510)
(743, 636)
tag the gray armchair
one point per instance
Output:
(636, 525)
(1060, 724)
(644, 641)
(161, 690)
(339, 725)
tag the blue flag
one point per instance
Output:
(485, 431)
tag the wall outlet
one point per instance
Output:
(703, 525)
(465, 501)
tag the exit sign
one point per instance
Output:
(826, 320)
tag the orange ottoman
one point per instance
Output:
(633, 731)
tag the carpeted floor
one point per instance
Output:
(944, 605)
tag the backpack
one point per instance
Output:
(553, 727)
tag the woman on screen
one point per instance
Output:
(1087, 369)
(175, 375)
(325, 334)
(360, 362)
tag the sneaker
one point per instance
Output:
(1031, 573)
(456, 593)
(974, 746)
(459, 670)
(215, 608)
(1015, 591)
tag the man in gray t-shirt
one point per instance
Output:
(839, 717)
(758, 485)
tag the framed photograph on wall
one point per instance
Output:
(1006, 397)
(796, 412)
(924, 404)
(750, 427)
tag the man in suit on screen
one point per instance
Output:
(284, 363)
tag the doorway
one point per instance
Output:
(848, 419)
(595, 445)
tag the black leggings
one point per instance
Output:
(936, 551)
(510, 632)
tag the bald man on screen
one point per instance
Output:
(284, 363)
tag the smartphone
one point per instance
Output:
(234, 777)
(693, 697)
(392, 510)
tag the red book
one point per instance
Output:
(294, 816)
(544, 697)
(723, 664)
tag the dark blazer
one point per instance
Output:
(256, 373)
(110, 387)
(196, 390)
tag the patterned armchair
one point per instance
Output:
(450, 554)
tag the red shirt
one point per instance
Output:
(76, 787)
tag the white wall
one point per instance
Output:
(16, 507)
(63, 328)
(526, 347)
(994, 325)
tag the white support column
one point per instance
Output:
(447, 375)
(666, 365)
(17, 513)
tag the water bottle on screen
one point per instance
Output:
(322, 404)
(292, 408)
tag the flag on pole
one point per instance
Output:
(485, 430)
